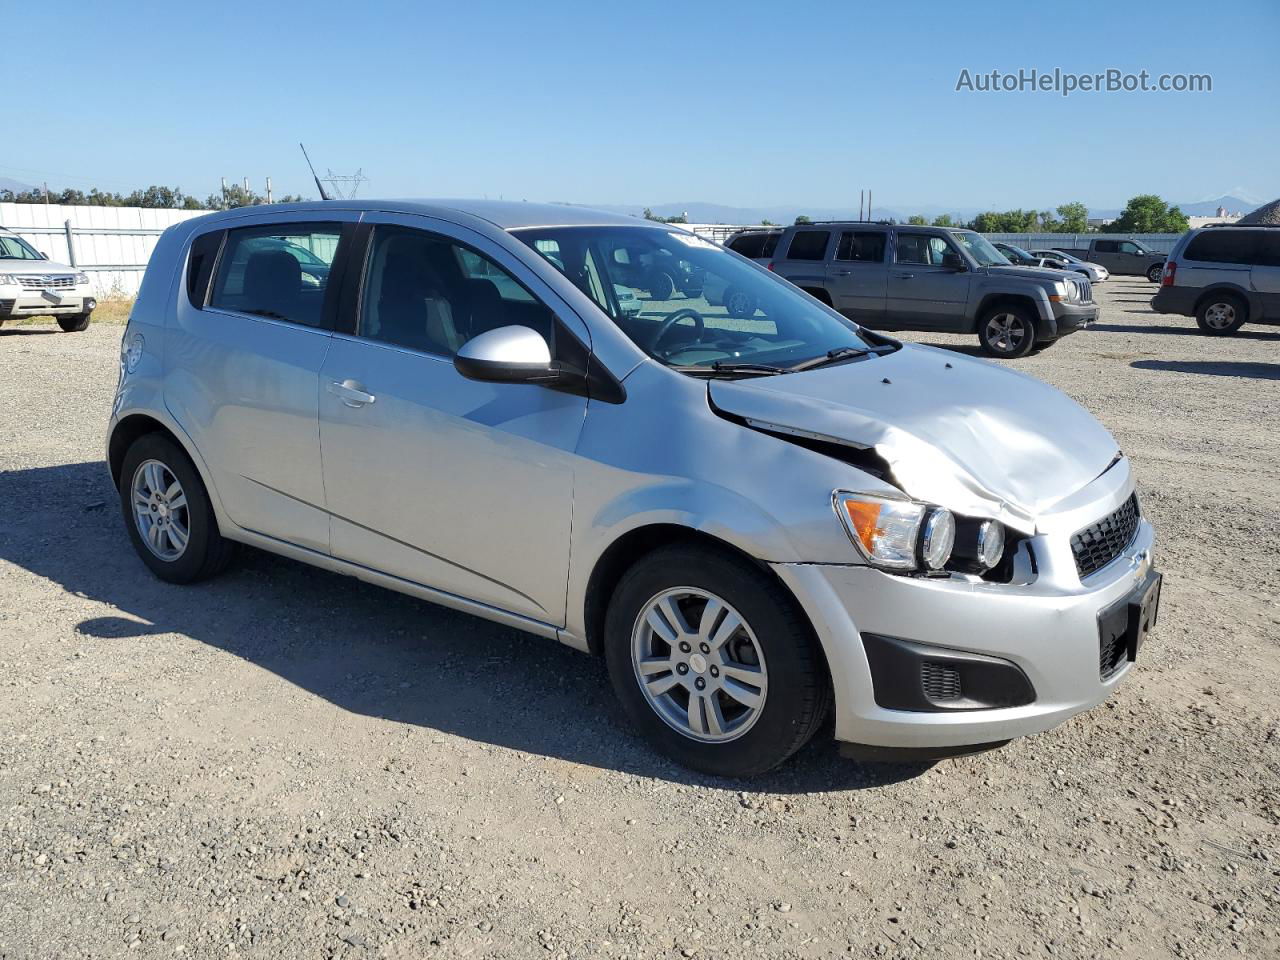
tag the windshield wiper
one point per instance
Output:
(730, 369)
(840, 353)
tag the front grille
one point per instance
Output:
(940, 681)
(1099, 543)
(61, 281)
(1086, 290)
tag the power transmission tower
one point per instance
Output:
(345, 187)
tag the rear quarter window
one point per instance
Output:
(751, 245)
(809, 245)
(1225, 246)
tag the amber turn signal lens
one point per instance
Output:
(864, 518)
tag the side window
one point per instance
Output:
(751, 245)
(1106, 246)
(937, 250)
(770, 245)
(426, 292)
(204, 250)
(808, 245)
(861, 246)
(1225, 246)
(1129, 247)
(912, 248)
(279, 271)
(1269, 254)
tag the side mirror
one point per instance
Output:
(44, 256)
(952, 261)
(507, 355)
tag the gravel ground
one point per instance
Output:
(284, 762)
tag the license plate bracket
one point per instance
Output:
(1124, 626)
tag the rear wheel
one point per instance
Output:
(1156, 272)
(714, 662)
(740, 304)
(1221, 314)
(1007, 332)
(75, 323)
(168, 514)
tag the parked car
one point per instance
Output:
(1025, 258)
(757, 245)
(1121, 257)
(897, 277)
(750, 520)
(663, 274)
(1096, 272)
(1225, 276)
(31, 285)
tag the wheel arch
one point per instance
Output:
(820, 294)
(133, 426)
(1220, 289)
(630, 547)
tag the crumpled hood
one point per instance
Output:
(972, 436)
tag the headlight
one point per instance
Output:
(1066, 289)
(10, 279)
(979, 544)
(897, 534)
(82, 278)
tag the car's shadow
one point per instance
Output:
(27, 331)
(1191, 330)
(362, 648)
(1214, 368)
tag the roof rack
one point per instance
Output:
(881, 223)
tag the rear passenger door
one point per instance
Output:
(243, 364)
(1266, 272)
(857, 277)
(458, 485)
(802, 258)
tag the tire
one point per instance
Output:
(1220, 315)
(1155, 273)
(1007, 332)
(739, 303)
(205, 552)
(661, 286)
(76, 323)
(775, 643)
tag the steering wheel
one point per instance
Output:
(675, 317)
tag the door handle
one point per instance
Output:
(843, 273)
(905, 276)
(351, 392)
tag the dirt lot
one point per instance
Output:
(286, 763)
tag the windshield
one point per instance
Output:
(691, 304)
(15, 248)
(980, 249)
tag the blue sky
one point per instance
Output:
(739, 103)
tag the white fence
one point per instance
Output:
(110, 244)
(1156, 242)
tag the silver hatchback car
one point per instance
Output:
(753, 518)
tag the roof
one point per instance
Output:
(505, 214)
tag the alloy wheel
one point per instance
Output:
(699, 665)
(160, 510)
(1005, 332)
(1220, 315)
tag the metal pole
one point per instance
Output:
(71, 247)
(268, 189)
(224, 191)
(868, 204)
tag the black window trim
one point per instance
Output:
(811, 228)
(854, 231)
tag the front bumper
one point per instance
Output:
(1070, 317)
(1047, 629)
(19, 302)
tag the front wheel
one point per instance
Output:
(1156, 272)
(740, 304)
(76, 323)
(661, 286)
(168, 514)
(714, 662)
(1007, 332)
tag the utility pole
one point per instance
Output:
(862, 196)
(268, 189)
(224, 191)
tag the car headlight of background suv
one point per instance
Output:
(8, 279)
(82, 278)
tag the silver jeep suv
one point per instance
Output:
(751, 518)
(33, 286)
(897, 277)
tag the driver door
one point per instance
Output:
(458, 485)
(923, 294)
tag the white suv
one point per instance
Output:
(31, 285)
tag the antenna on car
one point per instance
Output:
(316, 176)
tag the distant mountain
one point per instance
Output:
(14, 185)
(1208, 208)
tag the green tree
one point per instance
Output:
(943, 220)
(767, 223)
(1075, 218)
(802, 219)
(1147, 213)
(917, 221)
